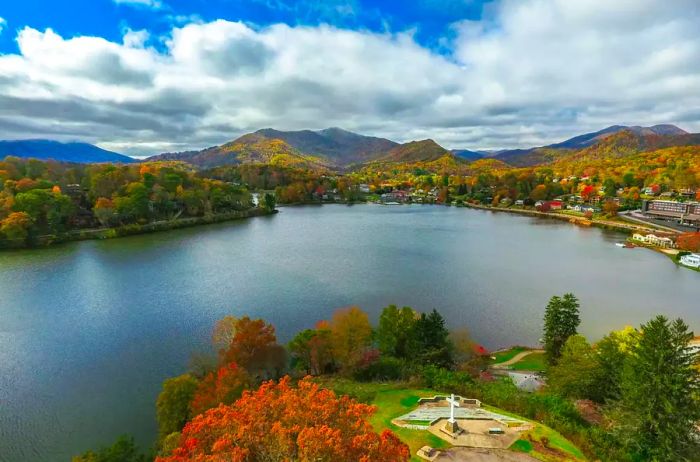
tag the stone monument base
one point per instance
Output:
(451, 429)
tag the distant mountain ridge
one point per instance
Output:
(642, 138)
(331, 148)
(56, 150)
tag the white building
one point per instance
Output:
(656, 241)
(692, 260)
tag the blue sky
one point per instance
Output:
(149, 76)
(431, 19)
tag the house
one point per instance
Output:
(520, 202)
(694, 345)
(395, 196)
(654, 240)
(364, 188)
(556, 205)
(692, 260)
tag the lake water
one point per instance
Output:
(89, 330)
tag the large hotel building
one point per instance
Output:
(685, 212)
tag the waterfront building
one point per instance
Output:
(685, 212)
(692, 260)
(654, 240)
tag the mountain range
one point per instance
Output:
(338, 149)
(56, 150)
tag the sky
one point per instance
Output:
(149, 76)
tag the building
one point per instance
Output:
(654, 240)
(395, 196)
(692, 260)
(684, 212)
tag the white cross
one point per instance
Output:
(453, 403)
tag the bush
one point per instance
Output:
(385, 368)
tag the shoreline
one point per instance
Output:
(580, 221)
(136, 229)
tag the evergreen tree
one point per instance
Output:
(432, 344)
(660, 404)
(395, 331)
(561, 319)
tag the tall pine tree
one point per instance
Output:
(660, 404)
(561, 319)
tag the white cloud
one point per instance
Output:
(3, 23)
(532, 72)
(151, 4)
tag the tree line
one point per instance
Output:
(632, 396)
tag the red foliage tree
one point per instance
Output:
(223, 386)
(689, 241)
(279, 422)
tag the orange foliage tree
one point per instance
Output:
(254, 347)
(280, 422)
(689, 241)
(223, 386)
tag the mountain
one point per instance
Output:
(416, 151)
(250, 148)
(469, 155)
(636, 137)
(67, 152)
(338, 146)
(332, 147)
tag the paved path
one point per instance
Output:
(482, 455)
(515, 359)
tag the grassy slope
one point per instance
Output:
(531, 362)
(506, 355)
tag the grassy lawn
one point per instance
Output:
(505, 355)
(395, 399)
(393, 403)
(531, 362)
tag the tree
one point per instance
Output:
(351, 334)
(561, 319)
(104, 211)
(659, 407)
(254, 347)
(224, 332)
(689, 242)
(16, 227)
(312, 351)
(269, 202)
(123, 450)
(611, 353)
(394, 333)
(223, 386)
(575, 375)
(282, 422)
(173, 404)
(610, 207)
(432, 340)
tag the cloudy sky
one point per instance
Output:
(147, 76)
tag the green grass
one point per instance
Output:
(395, 399)
(505, 355)
(531, 362)
(394, 403)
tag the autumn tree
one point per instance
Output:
(561, 319)
(689, 242)
(610, 208)
(282, 422)
(173, 404)
(351, 334)
(223, 333)
(254, 347)
(223, 386)
(16, 227)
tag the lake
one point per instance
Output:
(89, 330)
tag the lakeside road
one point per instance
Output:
(628, 228)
